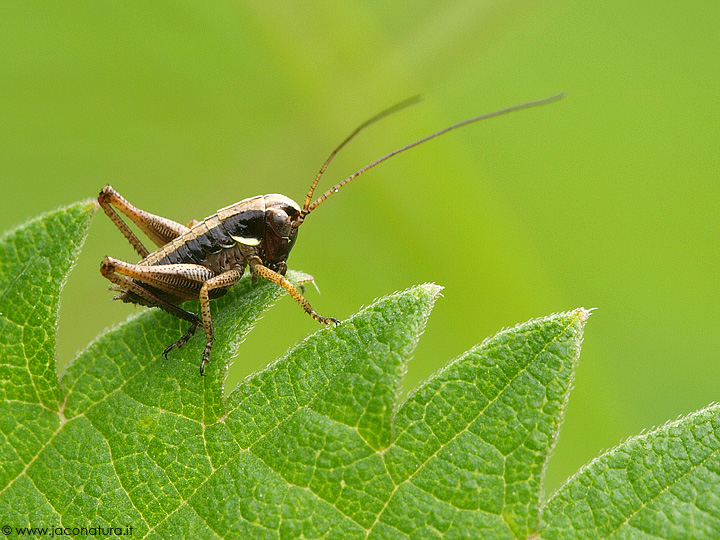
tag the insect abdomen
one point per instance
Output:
(189, 252)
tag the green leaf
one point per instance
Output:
(662, 484)
(472, 443)
(34, 262)
(317, 444)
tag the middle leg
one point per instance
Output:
(222, 281)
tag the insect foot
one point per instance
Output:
(324, 320)
(206, 357)
(183, 340)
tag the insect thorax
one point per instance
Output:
(262, 226)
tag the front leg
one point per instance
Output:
(259, 269)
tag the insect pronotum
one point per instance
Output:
(202, 260)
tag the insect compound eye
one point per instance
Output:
(279, 221)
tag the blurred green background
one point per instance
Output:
(608, 199)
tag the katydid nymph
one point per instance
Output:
(202, 260)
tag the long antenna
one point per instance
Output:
(307, 208)
(395, 108)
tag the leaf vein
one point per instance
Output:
(29, 464)
(455, 436)
(307, 488)
(650, 500)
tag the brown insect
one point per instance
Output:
(202, 260)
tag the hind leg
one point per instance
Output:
(158, 229)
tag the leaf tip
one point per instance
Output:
(431, 289)
(92, 202)
(583, 314)
(426, 293)
(297, 276)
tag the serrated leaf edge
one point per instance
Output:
(712, 407)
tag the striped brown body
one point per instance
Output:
(213, 243)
